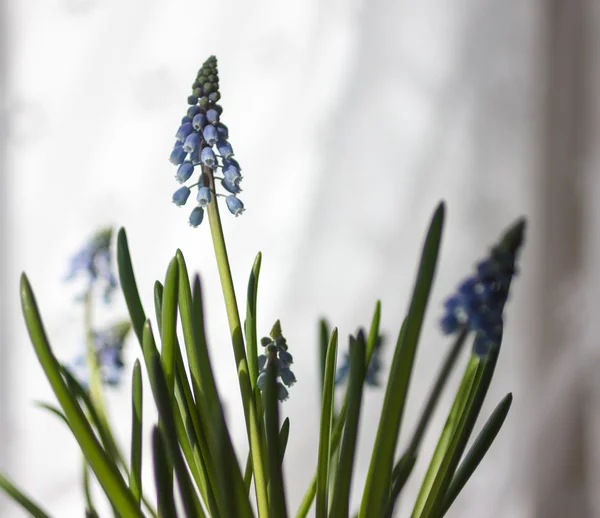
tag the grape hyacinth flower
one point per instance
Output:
(108, 347)
(479, 302)
(276, 351)
(94, 262)
(202, 140)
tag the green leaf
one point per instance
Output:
(284, 435)
(158, 383)
(324, 455)
(378, 483)
(250, 323)
(475, 455)
(277, 507)
(169, 324)
(19, 497)
(162, 470)
(324, 334)
(338, 426)
(135, 475)
(456, 433)
(129, 286)
(52, 409)
(104, 467)
(404, 466)
(341, 492)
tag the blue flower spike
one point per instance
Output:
(276, 352)
(373, 369)
(203, 140)
(479, 302)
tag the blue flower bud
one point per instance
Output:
(196, 216)
(231, 161)
(262, 361)
(230, 187)
(223, 130)
(199, 121)
(183, 131)
(204, 196)
(212, 116)
(186, 119)
(449, 323)
(235, 206)
(287, 376)
(282, 393)
(262, 379)
(177, 155)
(208, 157)
(193, 111)
(265, 340)
(285, 358)
(232, 174)
(224, 148)
(195, 156)
(210, 134)
(181, 196)
(184, 171)
(191, 142)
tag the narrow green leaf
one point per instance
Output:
(338, 426)
(341, 492)
(277, 507)
(104, 467)
(455, 435)
(19, 497)
(52, 409)
(324, 452)
(135, 475)
(169, 324)
(324, 334)
(378, 483)
(250, 323)
(284, 435)
(158, 383)
(158, 296)
(89, 504)
(129, 286)
(476, 453)
(162, 469)
(401, 469)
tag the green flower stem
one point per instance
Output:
(95, 381)
(239, 350)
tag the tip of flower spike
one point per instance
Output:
(513, 238)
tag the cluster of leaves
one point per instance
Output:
(191, 441)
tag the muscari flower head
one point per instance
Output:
(108, 347)
(94, 262)
(202, 140)
(478, 304)
(373, 369)
(276, 352)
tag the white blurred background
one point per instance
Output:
(351, 119)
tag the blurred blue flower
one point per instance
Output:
(373, 369)
(108, 346)
(94, 262)
(479, 301)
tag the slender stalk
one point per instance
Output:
(250, 409)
